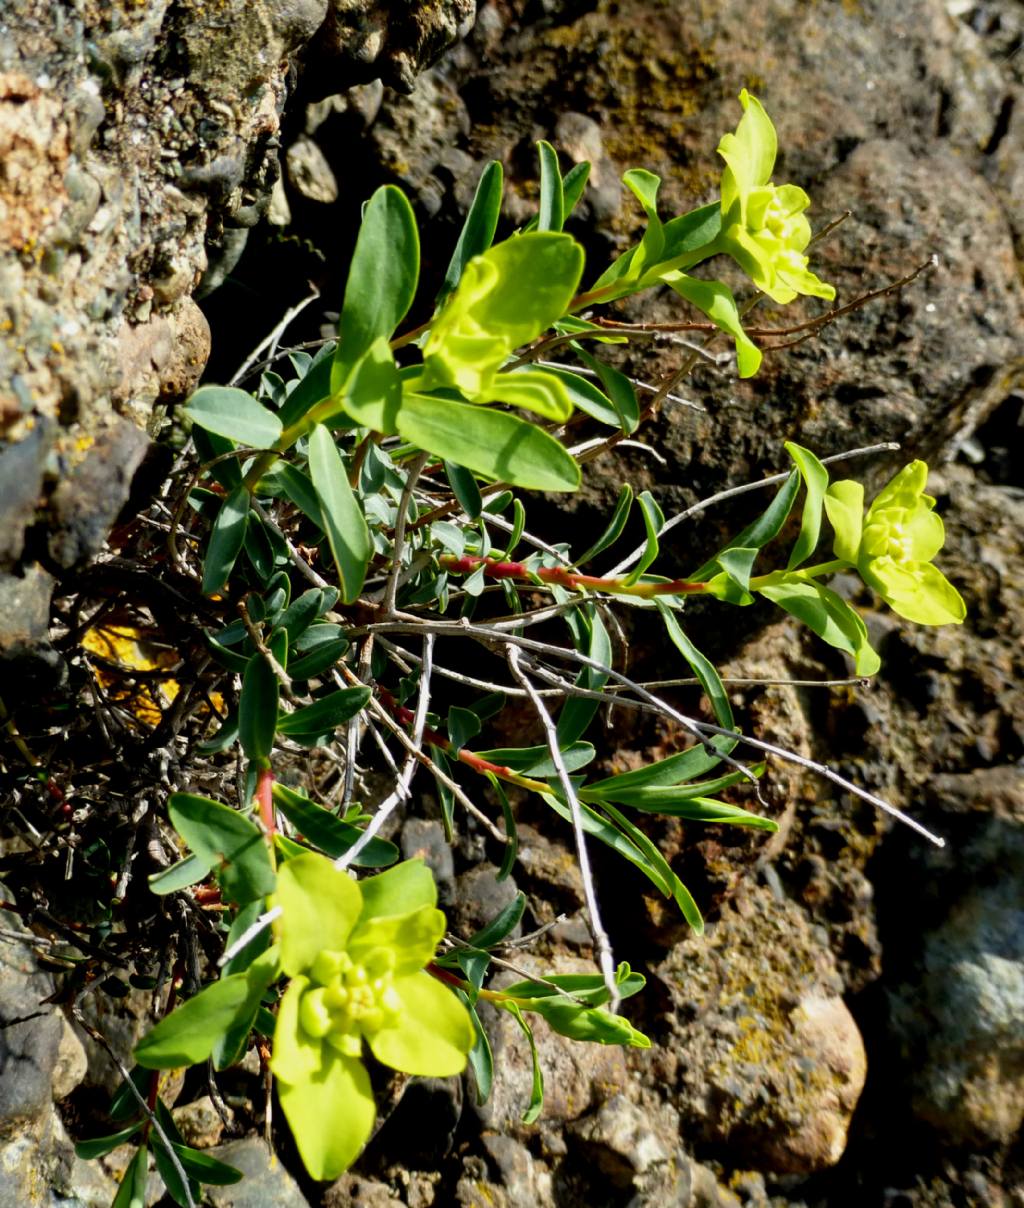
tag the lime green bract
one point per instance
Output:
(894, 544)
(764, 228)
(356, 961)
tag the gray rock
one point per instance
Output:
(479, 897)
(71, 1065)
(30, 1036)
(525, 1181)
(961, 1019)
(622, 1140)
(267, 1184)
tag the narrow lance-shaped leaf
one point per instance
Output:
(550, 216)
(759, 532)
(828, 615)
(257, 710)
(619, 390)
(654, 519)
(815, 477)
(381, 281)
(615, 526)
(225, 542)
(477, 233)
(344, 523)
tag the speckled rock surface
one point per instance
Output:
(139, 144)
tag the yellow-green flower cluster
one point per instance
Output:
(764, 227)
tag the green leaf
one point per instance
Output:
(181, 875)
(671, 771)
(501, 925)
(588, 1023)
(614, 789)
(257, 710)
(407, 887)
(717, 302)
(690, 232)
(506, 297)
(464, 486)
(481, 1059)
(381, 281)
(704, 670)
(433, 1035)
(697, 809)
(492, 443)
(759, 532)
(533, 390)
(325, 714)
(654, 519)
(344, 522)
(300, 491)
(319, 907)
(615, 526)
(585, 396)
(188, 1035)
(551, 213)
(844, 506)
(373, 390)
(206, 1169)
(463, 725)
(179, 1190)
(619, 389)
(228, 842)
(321, 656)
(235, 414)
(578, 712)
(313, 387)
(573, 184)
(477, 233)
(644, 186)
(815, 477)
(537, 761)
(96, 1147)
(132, 1190)
(256, 946)
(828, 615)
(209, 447)
(537, 1087)
(259, 547)
(300, 614)
(737, 562)
(657, 868)
(225, 542)
(331, 1115)
(329, 833)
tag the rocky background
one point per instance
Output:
(851, 1029)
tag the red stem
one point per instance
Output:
(566, 578)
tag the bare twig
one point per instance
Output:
(604, 948)
(702, 730)
(401, 789)
(271, 339)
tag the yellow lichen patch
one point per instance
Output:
(123, 651)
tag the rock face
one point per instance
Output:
(138, 146)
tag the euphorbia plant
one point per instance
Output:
(395, 454)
